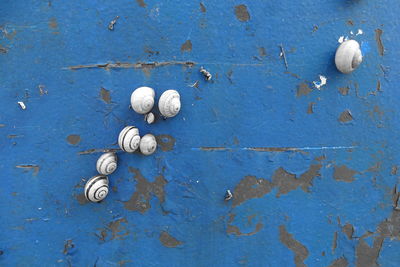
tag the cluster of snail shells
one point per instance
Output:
(348, 56)
(129, 141)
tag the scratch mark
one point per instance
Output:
(283, 54)
(98, 150)
(138, 65)
(33, 167)
(270, 149)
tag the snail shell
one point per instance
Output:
(142, 99)
(149, 118)
(148, 144)
(96, 189)
(348, 56)
(169, 103)
(107, 163)
(129, 139)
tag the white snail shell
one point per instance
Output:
(129, 139)
(169, 103)
(142, 99)
(107, 163)
(149, 118)
(96, 189)
(348, 56)
(148, 144)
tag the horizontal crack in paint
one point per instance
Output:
(138, 65)
(33, 167)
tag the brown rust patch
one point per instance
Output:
(203, 8)
(348, 230)
(81, 199)
(340, 262)
(241, 12)
(300, 251)
(345, 116)
(186, 46)
(251, 187)
(232, 229)
(303, 89)
(310, 108)
(105, 95)
(334, 242)
(28, 167)
(378, 38)
(118, 231)
(73, 139)
(168, 240)
(350, 22)
(53, 23)
(344, 90)
(140, 199)
(141, 3)
(261, 51)
(344, 174)
(67, 246)
(165, 142)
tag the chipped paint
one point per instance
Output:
(168, 240)
(300, 251)
(73, 139)
(322, 82)
(344, 174)
(165, 142)
(378, 38)
(241, 12)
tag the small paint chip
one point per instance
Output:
(346, 116)
(322, 82)
(241, 12)
(168, 240)
(186, 46)
(105, 95)
(73, 139)
(22, 105)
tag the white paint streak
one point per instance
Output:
(359, 32)
(322, 82)
(22, 104)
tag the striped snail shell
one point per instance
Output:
(169, 103)
(107, 163)
(129, 139)
(348, 56)
(148, 144)
(96, 189)
(142, 99)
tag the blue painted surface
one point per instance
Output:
(251, 102)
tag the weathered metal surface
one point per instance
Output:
(313, 173)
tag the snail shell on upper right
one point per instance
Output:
(107, 163)
(142, 99)
(129, 139)
(96, 189)
(169, 103)
(348, 56)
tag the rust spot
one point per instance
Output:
(334, 243)
(348, 229)
(341, 262)
(141, 3)
(67, 246)
(394, 170)
(29, 167)
(165, 142)
(345, 116)
(300, 251)
(241, 12)
(73, 139)
(344, 90)
(310, 107)
(231, 229)
(261, 51)
(168, 240)
(81, 199)
(350, 22)
(53, 23)
(105, 95)
(303, 89)
(378, 35)
(344, 174)
(202, 7)
(251, 187)
(186, 46)
(378, 86)
(140, 199)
